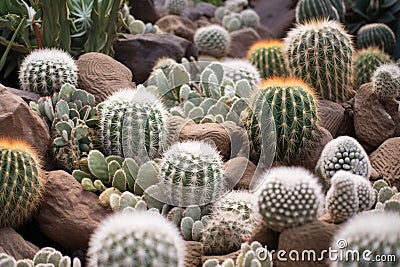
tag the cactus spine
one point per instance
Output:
(213, 40)
(376, 35)
(315, 9)
(386, 81)
(175, 7)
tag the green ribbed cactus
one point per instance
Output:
(315, 49)
(175, 7)
(132, 124)
(254, 255)
(376, 35)
(21, 182)
(290, 107)
(386, 81)
(307, 10)
(136, 239)
(213, 40)
(289, 197)
(44, 71)
(267, 57)
(238, 69)
(372, 235)
(366, 62)
(340, 7)
(242, 203)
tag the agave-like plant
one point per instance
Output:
(80, 12)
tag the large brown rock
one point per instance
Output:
(180, 26)
(386, 161)
(267, 237)
(27, 96)
(68, 214)
(193, 253)
(239, 173)
(101, 75)
(332, 115)
(144, 10)
(15, 245)
(140, 52)
(241, 40)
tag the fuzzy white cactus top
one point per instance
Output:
(194, 148)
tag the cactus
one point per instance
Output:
(238, 69)
(312, 58)
(267, 57)
(249, 18)
(379, 184)
(44, 71)
(213, 40)
(132, 124)
(136, 239)
(386, 81)
(241, 202)
(340, 7)
(128, 202)
(232, 22)
(254, 255)
(293, 113)
(366, 62)
(376, 35)
(21, 182)
(215, 263)
(289, 197)
(191, 173)
(371, 235)
(236, 5)
(307, 10)
(175, 7)
(192, 229)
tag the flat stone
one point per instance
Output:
(179, 25)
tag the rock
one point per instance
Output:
(202, 22)
(347, 126)
(264, 32)
(68, 214)
(140, 52)
(392, 107)
(193, 254)
(180, 26)
(240, 146)
(241, 41)
(315, 236)
(372, 124)
(144, 10)
(265, 236)
(206, 9)
(222, 258)
(174, 125)
(191, 13)
(239, 173)
(386, 161)
(17, 120)
(332, 115)
(25, 95)
(15, 245)
(374, 175)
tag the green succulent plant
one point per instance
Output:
(376, 35)
(307, 10)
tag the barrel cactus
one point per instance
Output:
(175, 7)
(386, 81)
(213, 40)
(136, 239)
(315, 49)
(376, 35)
(21, 182)
(44, 71)
(289, 197)
(242, 203)
(238, 69)
(307, 10)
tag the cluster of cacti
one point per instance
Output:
(376, 35)
(136, 239)
(71, 115)
(386, 81)
(44, 71)
(233, 21)
(135, 26)
(132, 124)
(372, 235)
(365, 63)
(46, 257)
(267, 57)
(307, 10)
(348, 195)
(282, 117)
(316, 48)
(213, 40)
(175, 7)
(388, 198)
(192, 223)
(21, 182)
(289, 197)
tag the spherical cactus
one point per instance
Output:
(370, 235)
(249, 18)
(21, 182)
(283, 116)
(289, 197)
(175, 7)
(213, 40)
(136, 239)
(386, 81)
(192, 173)
(237, 69)
(44, 71)
(132, 124)
(366, 62)
(315, 9)
(242, 203)
(378, 35)
(315, 49)
(365, 192)
(340, 7)
(232, 22)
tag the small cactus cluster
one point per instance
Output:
(241, 202)
(316, 48)
(289, 197)
(386, 81)
(348, 195)
(136, 239)
(175, 7)
(213, 40)
(44, 71)
(233, 21)
(307, 10)
(72, 117)
(21, 182)
(267, 57)
(388, 198)
(193, 223)
(376, 35)
(136, 26)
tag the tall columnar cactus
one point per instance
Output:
(386, 81)
(371, 235)
(213, 40)
(291, 107)
(315, 49)
(132, 124)
(21, 182)
(191, 173)
(44, 71)
(175, 7)
(267, 56)
(365, 63)
(307, 10)
(289, 197)
(136, 239)
(377, 35)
